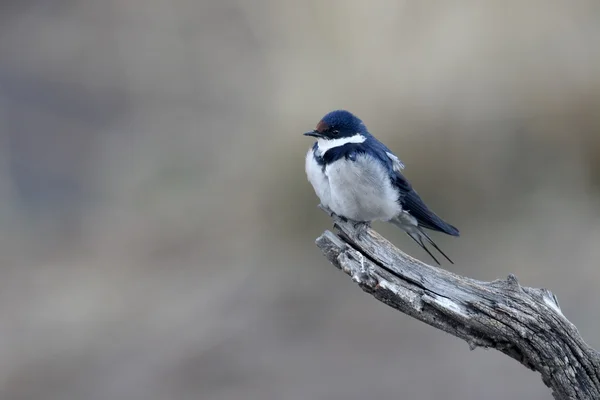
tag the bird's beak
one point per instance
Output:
(313, 134)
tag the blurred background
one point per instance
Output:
(157, 229)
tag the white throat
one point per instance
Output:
(324, 145)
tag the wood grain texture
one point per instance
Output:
(524, 323)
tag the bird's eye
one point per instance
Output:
(335, 132)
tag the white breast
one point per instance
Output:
(315, 172)
(317, 178)
(361, 190)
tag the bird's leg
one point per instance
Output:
(361, 228)
(332, 214)
(326, 209)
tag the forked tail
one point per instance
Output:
(420, 237)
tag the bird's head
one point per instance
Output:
(338, 124)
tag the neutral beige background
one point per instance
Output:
(156, 236)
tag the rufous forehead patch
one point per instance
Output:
(322, 127)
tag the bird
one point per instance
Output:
(359, 179)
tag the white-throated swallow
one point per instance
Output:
(358, 178)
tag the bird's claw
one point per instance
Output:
(332, 214)
(326, 209)
(361, 229)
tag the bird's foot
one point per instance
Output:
(326, 209)
(361, 228)
(332, 214)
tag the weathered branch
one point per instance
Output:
(523, 323)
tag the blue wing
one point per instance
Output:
(410, 199)
(426, 218)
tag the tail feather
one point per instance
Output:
(430, 240)
(418, 234)
(419, 240)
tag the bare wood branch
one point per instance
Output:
(524, 323)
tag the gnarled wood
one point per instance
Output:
(525, 323)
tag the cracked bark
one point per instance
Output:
(524, 323)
